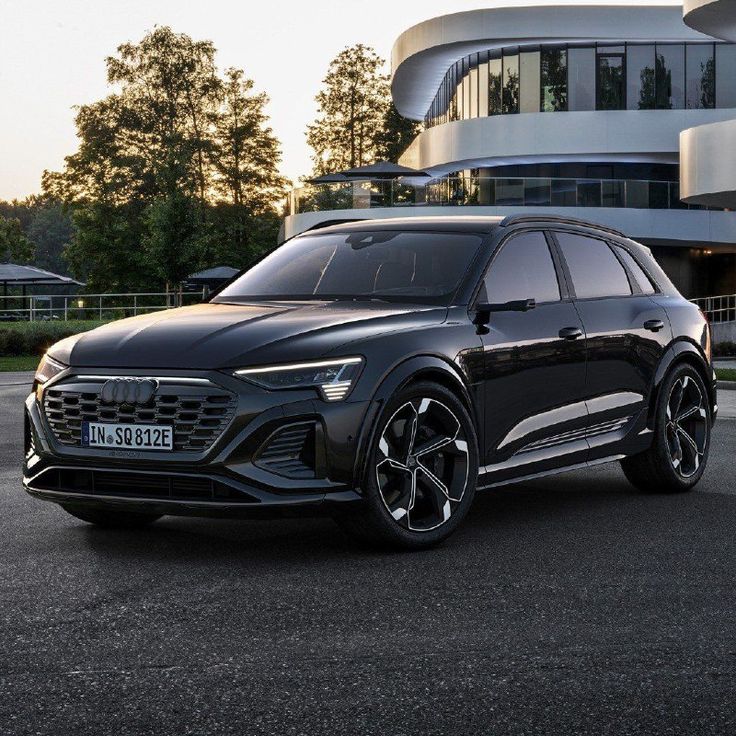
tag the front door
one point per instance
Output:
(534, 365)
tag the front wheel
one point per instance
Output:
(676, 460)
(421, 472)
(111, 519)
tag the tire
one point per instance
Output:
(421, 471)
(112, 519)
(676, 460)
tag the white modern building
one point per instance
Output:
(574, 110)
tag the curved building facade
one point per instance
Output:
(708, 152)
(574, 109)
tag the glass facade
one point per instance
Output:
(557, 78)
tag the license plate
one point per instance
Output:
(128, 436)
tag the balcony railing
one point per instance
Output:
(489, 192)
(718, 308)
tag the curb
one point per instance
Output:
(727, 385)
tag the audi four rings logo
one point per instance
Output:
(128, 390)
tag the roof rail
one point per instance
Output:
(559, 220)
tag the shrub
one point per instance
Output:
(34, 338)
(724, 349)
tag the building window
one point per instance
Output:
(611, 91)
(554, 78)
(495, 85)
(640, 93)
(510, 91)
(581, 78)
(553, 97)
(700, 68)
(725, 75)
(529, 81)
(669, 75)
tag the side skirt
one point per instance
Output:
(545, 473)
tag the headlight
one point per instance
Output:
(334, 378)
(47, 369)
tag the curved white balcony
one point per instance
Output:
(615, 135)
(715, 17)
(708, 165)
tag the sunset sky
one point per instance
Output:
(52, 58)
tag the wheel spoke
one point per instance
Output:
(432, 445)
(687, 442)
(673, 407)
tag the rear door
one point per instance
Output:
(627, 335)
(534, 364)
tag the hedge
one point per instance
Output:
(34, 338)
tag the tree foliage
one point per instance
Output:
(396, 134)
(176, 166)
(14, 246)
(352, 110)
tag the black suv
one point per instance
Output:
(382, 371)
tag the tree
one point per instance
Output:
(245, 164)
(396, 134)
(160, 159)
(352, 110)
(14, 246)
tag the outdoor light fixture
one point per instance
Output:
(334, 378)
(80, 303)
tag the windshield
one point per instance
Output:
(391, 266)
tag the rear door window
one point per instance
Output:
(593, 266)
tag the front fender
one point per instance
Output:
(428, 366)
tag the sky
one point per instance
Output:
(52, 57)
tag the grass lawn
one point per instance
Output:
(18, 362)
(726, 374)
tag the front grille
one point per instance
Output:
(198, 413)
(128, 484)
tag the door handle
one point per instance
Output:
(654, 325)
(570, 333)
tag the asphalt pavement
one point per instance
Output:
(570, 605)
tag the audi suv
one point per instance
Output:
(382, 372)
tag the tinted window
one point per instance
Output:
(523, 269)
(394, 266)
(594, 268)
(637, 271)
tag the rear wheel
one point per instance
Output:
(676, 460)
(421, 472)
(112, 519)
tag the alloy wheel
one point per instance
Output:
(687, 426)
(422, 464)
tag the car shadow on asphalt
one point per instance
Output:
(521, 509)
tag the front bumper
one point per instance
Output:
(228, 478)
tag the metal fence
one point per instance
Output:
(63, 307)
(718, 308)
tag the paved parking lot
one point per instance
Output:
(571, 605)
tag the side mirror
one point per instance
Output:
(483, 311)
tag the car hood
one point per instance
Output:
(211, 336)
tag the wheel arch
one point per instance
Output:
(679, 353)
(413, 370)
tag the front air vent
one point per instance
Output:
(291, 451)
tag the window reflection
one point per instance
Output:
(554, 78)
(510, 91)
(610, 78)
